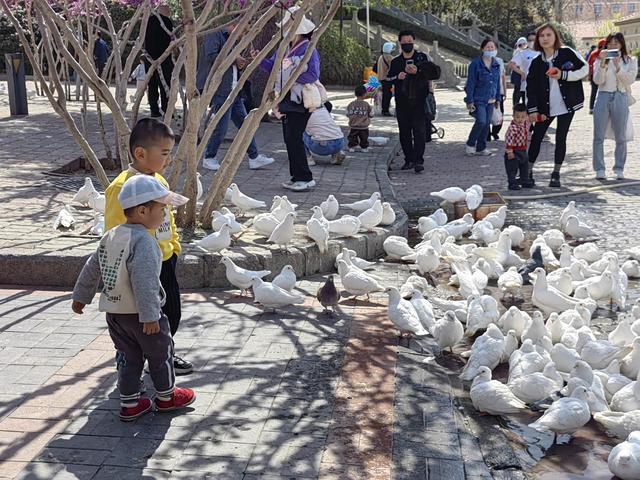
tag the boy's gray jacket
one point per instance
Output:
(128, 261)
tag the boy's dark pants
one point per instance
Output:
(358, 137)
(133, 346)
(171, 308)
(519, 163)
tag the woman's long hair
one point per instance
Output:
(623, 45)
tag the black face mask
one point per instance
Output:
(407, 47)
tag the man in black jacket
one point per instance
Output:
(410, 73)
(156, 41)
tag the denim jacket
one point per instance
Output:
(483, 83)
(210, 49)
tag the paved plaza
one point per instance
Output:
(293, 395)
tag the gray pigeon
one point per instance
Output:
(328, 295)
(534, 262)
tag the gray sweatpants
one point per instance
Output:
(133, 346)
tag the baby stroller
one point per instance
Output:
(439, 131)
(430, 110)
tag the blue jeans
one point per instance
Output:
(237, 113)
(323, 148)
(610, 106)
(480, 129)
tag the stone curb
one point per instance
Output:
(198, 270)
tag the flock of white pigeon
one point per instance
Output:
(87, 196)
(556, 363)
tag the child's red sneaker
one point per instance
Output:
(127, 414)
(180, 399)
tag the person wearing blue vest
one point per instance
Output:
(482, 94)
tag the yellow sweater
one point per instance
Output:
(166, 235)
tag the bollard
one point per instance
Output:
(16, 84)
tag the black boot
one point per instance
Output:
(555, 180)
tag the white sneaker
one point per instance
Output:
(470, 150)
(288, 184)
(484, 153)
(211, 163)
(310, 161)
(303, 186)
(352, 150)
(600, 175)
(365, 150)
(619, 175)
(259, 162)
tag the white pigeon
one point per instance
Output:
(525, 360)
(547, 298)
(500, 252)
(619, 424)
(448, 331)
(514, 319)
(554, 238)
(86, 191)
(548, 257)
(587, 251)
(351, 257)
(497, 218)
(414, 282)
(319, 233)
(441, 218)
(64, 218)
(286, 279)
(473, 197)
(561, 280)
(427, 260)
(244, 202)
(218, 219)
(283, 234)
(97, 228)
(403, 315)
(627, 398)
(493, 397)
(598, 288)
(357, 282)
(510, 282)
(345, 226)
(565, 415)
(510, 345)
(517, 235)
(426, 224)
(396, 247)
(536, 386)
(460, 227)
(624, 459)
(622, 335)
(97, 201)
(578, 230)
(240, 277)
(465, 279)
(283, 207)
(388, 214)
(633, 252)
(600, 353)
(484, 232)
(568, 211)
(330, 207)
(481, 313)
(362, 205)
(275, 202)
(630, 365)
(371, 218)
(565, 358)
(631, 268)
(265, 224)
(486, 352)
(236, 227)
(199, 189)
(451, 194)
(272, 296)
(423, 309)
(216, 241)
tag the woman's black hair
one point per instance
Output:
(624, 54)
(307, 35)
(485, 41)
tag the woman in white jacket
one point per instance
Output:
(613, 72)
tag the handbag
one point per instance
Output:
(496, 116)
(630, 98)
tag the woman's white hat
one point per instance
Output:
(306, 25)
(388, 47)
(521, 41)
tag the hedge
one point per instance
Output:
(342, 60)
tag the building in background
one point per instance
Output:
(630, 28)
(576, 11)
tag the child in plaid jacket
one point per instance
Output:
(515, 155)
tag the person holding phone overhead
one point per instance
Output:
(554, 91)
(482, 94)
(613, 72)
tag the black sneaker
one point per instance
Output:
(386, 114)
(555, 180)
(418, 168)
(181, 367)
(514, 186)
(407, 166)
(155, 114)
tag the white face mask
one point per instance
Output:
(530, 44)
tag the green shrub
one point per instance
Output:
(342, 60)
